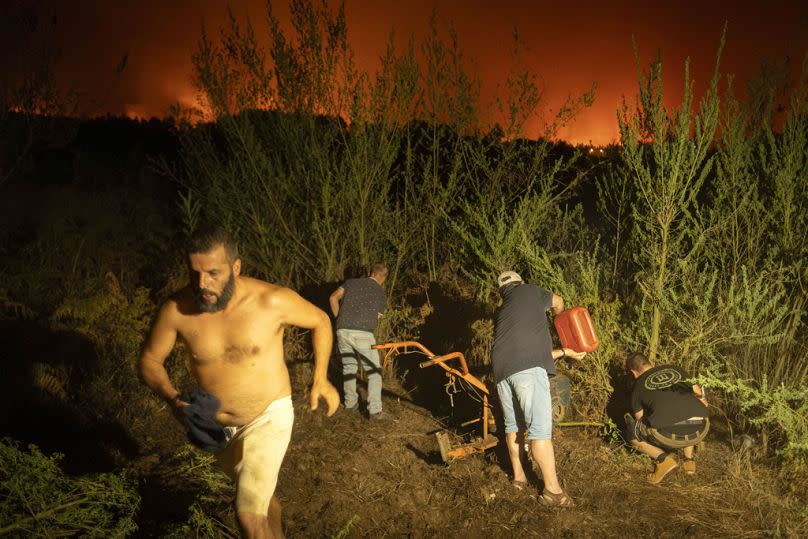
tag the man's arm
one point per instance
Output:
(296, 311)
(158, 346)
(636, 404)
(698, 391)
(558, 304)
(382, 306)
(334, 300)
(569, 352)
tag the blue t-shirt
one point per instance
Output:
(521, 336)
(363, 302)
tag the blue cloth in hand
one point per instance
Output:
(200, 420)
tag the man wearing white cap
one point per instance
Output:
(522, 362)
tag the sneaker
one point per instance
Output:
(662, 469)
(378, 416)
(354, 408)
(689, 466)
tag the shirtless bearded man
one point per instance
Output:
(233, 328)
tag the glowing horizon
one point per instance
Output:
(568, 48)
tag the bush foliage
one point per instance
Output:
(40, 500)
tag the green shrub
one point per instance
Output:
(116, 323)
(667, 160)
(778, 410)
(39, 499)
(199, 471)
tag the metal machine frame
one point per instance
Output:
(473, 385)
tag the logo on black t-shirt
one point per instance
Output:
(663, 379)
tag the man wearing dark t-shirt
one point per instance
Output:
(357, 305)
(521, 362)
(664, 406)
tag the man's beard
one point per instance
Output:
(221, 299)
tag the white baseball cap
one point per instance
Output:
(508, 277)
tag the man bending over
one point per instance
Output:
(522, 360)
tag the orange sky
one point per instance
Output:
(571, 44)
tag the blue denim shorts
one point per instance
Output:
(526, 403)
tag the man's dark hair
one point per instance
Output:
(636, 362)
(206, 238)
(379, 268)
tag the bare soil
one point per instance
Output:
(347, 476)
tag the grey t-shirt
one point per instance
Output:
(521, 336)
(361, 305)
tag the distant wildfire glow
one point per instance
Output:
(568, 48)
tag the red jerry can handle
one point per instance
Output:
(575, 330)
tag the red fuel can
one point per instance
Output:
(575, 330)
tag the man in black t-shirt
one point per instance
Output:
(357, 305)
(668, 413)
(522, 362)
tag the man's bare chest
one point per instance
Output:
(229, 342)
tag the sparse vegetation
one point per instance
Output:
(39, 499)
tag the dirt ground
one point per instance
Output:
(345, 476)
